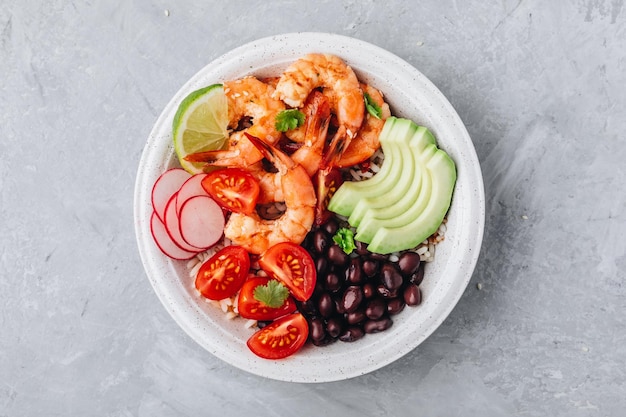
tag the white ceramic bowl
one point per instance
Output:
(411, 95)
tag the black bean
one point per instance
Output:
(327, 340)
(354, 273)
(331, 227)
(375, 308)
(319, 288)
(370, 267)
(339, 304)
(375, 326)
(321, 266)
(308, 307)
(351, 334)
(412, 295)
(316, 329)
(320, 241)
(337, 256)
(386, 292)
(326, 305)
(352, 297)
(356, 317)
(361, 248)
(390, 276)
(395, 305)
(408, 263)
(334, 326)
(417, 277)
(369, 290)
(332, 282)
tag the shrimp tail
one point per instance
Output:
(337, 146)
(280, 160)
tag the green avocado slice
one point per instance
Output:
(406, 232)
(404, 203)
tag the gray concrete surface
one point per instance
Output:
(540, 330)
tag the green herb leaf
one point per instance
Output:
(289, 119)
(345, 239)
(273, 294)
(371, 106)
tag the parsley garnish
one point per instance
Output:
(273, 294)
(289, 119)
(371, 106)
(345, 239)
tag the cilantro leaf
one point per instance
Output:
(371, 106)
(289, 119)
(273, 294)
(345, 239)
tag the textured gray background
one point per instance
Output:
(541, 86)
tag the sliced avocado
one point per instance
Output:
(422, 147)
(408, 202)
(394, 236)
(396, 132)
(413, 204)
(350, 193)
(391, 196)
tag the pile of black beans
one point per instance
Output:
(358, 293)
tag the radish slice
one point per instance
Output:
(164, 242)
(172, 226)
(201, 221)
(164, 187)
(191, 188)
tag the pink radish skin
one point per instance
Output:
(191, 188)
(172, 225)
(165, 186)
(164, 242)
(201, 221)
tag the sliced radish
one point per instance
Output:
(191, 188)
(201, 221)
(165, 186)
(164, 242)
(172, 226)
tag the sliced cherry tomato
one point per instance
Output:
(281, 338)
(327, 183)
(292, 265)
(251, 308)
(233, 188)
(224, 273)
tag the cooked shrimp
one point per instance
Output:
(309, 154)
(250, 98)
(256, 234)
(317, 113)
(328, 72)
(269, 182)
(366, 140)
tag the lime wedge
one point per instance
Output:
(200, 124)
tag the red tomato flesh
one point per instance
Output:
(292, 265)
(234, 189)
(251, 308)
(281, 338)
(223, 274)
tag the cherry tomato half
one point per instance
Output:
(224, 273)
(281, 338)
(292, 265)
(232, 188)
(251, 308)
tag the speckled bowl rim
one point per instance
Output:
(410, 95)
